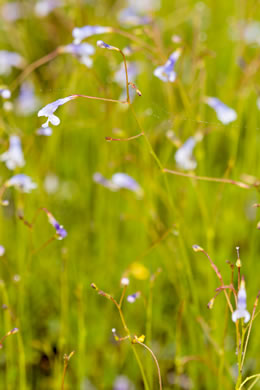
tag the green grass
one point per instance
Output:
(53, 305)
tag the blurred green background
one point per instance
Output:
(47, 294)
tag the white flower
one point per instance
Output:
(129, 17)
(27, 102)
(105, 45)
(82, 51)
(21, 182)
(258, 103)
(184, 155)
(241, 311)
(124, 281)
(2, 250)
(5, 93)
(144, 6)
(132, 71)
(44, 7)
(51, 108)
(224, 113)
(13, 157)
(45, 131)
(133, 297)
(9, 59)
(12, 11)
(252, 33)
(80, 33)
(166, 72)
(122, 180)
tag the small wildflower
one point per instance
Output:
(13, 157)
(184, 155)
(16, 278)
(197, 248)
(11, 12)
(129, 17)
(132, 298)
(124, 281)
(51, 108)
(100, 179)
(258, 103)
(2, 250)
(22, 182)
(144, 6)
(139, 339)
(27, 102)
(104, 45)
(123, 383)
(80, 33)
(132, 70)
(60, 231)
(166, 72)
(252, 33)
(5, 93)
(8, 60)
(51, 183)
(241, 311)
(8, 106)
(43, 7)
(224, 113)
(82, 51)
(45, 131)
(122, 180)
(13, 331)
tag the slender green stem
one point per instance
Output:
(206, 178)
(248, 379)
(146, 385)
(156, 362)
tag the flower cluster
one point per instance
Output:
(13, 157)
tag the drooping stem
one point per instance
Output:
(156, 362)
(206, 178)
(33, 66)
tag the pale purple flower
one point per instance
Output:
(166, 72)
(258, 103)
(11, 11)
(45, 131)
(132, 70)
(144, 6)
(122, 180)
(43, 7)
(184, 155)
(2, 250)
(51, 108)
(82, 51)
(119, 181)
(133, 297)
(224, 113)
(104, 45)
(80, 33)
(60, 231)
(27, 102)
(123, 383)
(5, 93)
(241, 311)
(8, 60)
(124, 281)
(129, 17)
(21, 182)
(252, 33)
(100, 179)
(13, 157)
